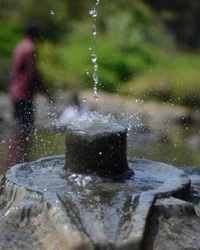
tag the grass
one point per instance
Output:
(47, 144)
(176, 152)
(177, 81)
(43, 144)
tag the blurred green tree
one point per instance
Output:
(182, 18)
(52, 16)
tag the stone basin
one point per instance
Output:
(44, 206)
(96, 198)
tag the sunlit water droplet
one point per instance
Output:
(93, 13)
(94, 30)
(95, 78)
(84, 100)
(96, 98)
(93, 58)
(95, 66)
(52, 12)
(95, 90)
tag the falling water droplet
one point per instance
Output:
(94, 30)
(87, 71)
(93, 58)
(97, 2)
(52, 12)
(93, 12)
(96, 98)
(95, 90)
(95, 78)
(84, 99)
(95, 66)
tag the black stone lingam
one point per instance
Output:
(94, 147)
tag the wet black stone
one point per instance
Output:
(96, 148)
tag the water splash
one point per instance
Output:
(84, 99)
(93, 12)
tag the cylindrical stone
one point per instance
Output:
(93, 147)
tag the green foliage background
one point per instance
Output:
(138, 52)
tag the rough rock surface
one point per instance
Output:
(71, 211)
(176, 223)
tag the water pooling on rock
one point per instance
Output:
(84, 210)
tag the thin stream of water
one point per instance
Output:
(93, 12)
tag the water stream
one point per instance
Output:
(93, 12)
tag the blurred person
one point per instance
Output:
(25, 83)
